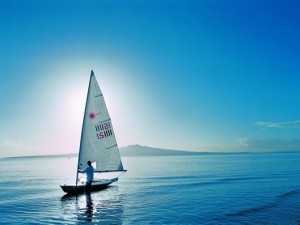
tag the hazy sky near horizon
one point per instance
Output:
(193, 75)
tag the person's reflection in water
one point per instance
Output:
(89, 207)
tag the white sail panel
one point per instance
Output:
(98, 143)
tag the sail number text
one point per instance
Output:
(103, 130)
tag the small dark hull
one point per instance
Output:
(80, 188)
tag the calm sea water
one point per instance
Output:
(210, 189)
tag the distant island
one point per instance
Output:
(131, 150)
(138, 150)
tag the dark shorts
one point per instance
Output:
(88, 186)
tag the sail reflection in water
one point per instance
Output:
(104, 207)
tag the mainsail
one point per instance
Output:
(98, 143)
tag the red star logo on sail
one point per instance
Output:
(92, 116)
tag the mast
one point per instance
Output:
(86, 103)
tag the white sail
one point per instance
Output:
(98, 143)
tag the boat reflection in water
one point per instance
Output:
(89, 208)
(103, 207)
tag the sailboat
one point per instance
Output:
(98, 143)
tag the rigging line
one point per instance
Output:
(98, 175)
(122, 173)
(79, 178)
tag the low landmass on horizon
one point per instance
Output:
(131, 150)
(138, 150)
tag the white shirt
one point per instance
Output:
(89, 173)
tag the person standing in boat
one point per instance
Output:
(89, 176)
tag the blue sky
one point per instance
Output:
(193, 75)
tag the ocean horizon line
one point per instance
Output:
(140, 151)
